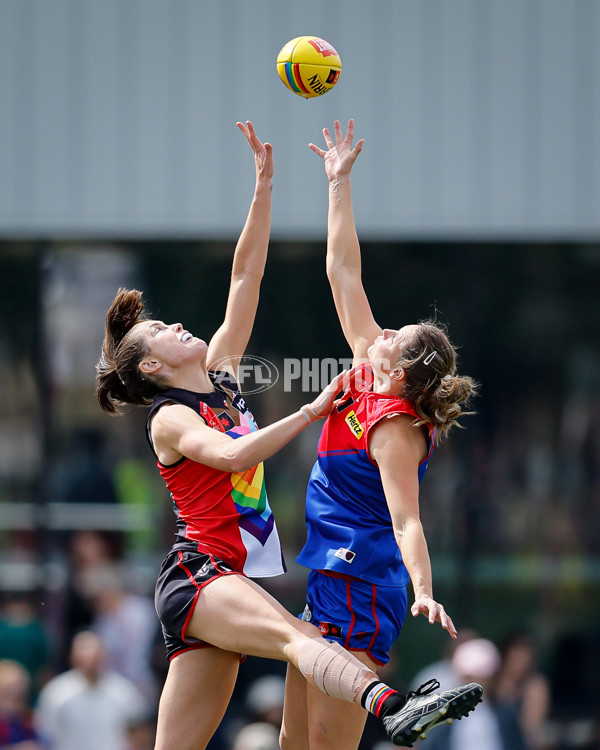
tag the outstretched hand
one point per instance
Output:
(263, 152)
(323, 403)
(339, 157)
(425, 605)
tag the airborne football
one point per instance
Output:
(309, 66)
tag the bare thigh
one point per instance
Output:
(236, 614)
(196, 694)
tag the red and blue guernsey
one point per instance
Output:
(349, 527)
(222, 513)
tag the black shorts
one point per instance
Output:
(183, 574)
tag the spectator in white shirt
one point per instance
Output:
(88, 706)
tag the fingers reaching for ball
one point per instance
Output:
(339, 157)
(263, 152)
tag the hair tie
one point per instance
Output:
(429, 358)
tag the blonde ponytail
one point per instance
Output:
(438, 393)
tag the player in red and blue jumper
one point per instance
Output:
(365, 540)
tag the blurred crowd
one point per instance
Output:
(98, 687)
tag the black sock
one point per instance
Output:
(380, 699)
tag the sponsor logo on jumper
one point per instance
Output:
(226, 420)
(353, 423)
(345, 554)
(240, 403)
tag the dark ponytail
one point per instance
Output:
(118, 377)
(432, 384)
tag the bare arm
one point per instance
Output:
(397, 447)
(178, 431)
(230, 340)
(343, 248)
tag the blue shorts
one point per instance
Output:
(358, 615)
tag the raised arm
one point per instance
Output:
(231, 338)
(343, 249)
